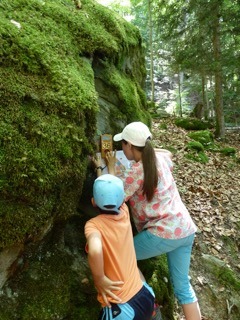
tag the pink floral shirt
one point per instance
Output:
(165, 216)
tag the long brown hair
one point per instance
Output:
(150, 171)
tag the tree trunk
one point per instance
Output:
(204, 98)
(151, 50)
(180, 80)
(220, 125)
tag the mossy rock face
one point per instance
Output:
(156, 273)
(225, 276)
(52, 56)
(54, 281)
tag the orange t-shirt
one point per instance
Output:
(119, 256)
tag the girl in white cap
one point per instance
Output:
(162, 220)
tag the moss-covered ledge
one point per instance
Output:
(49, 110)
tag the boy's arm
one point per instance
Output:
(95, 256)
(111, 161)
(98, 165)
(95, 259)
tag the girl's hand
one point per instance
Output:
(105, 286)
(111, 161)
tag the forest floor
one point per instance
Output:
(211, 193)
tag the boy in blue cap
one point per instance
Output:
(111, 255)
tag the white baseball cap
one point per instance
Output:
(136, 133)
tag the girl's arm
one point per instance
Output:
(102, 283)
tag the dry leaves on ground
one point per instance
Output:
(210, 191)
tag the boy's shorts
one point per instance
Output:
(139, 307)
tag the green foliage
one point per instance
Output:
(205, 137)
(186, 46)
(195, 145)
(192, 124)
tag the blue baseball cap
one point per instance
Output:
(108, 190)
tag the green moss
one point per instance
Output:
(59, 23)
(156, 273)
(223, 273)
(205, 137)
(197, 156)
(49, 104)
(195, 145)
(129, 93)
(192, 124)
(50, 288)
(20, 221)
(163, 126)
(228, 278)
(228, 151)
(40, 156)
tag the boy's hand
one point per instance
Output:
(97, 161)
(105, 286)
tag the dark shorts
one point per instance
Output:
(139, 307)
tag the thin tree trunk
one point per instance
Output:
(180, 76)
(209, 111)
(212, 101)
(151, 50)
(205, 109)
(220, 125)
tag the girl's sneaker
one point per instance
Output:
(156, 313)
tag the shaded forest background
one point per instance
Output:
(194, 45)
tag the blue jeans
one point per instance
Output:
(178, 253)
(139, 307)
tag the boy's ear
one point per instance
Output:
(93, 202)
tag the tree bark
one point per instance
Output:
(220, 124)
(180, 80)
(151, 50)
(204, 98)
